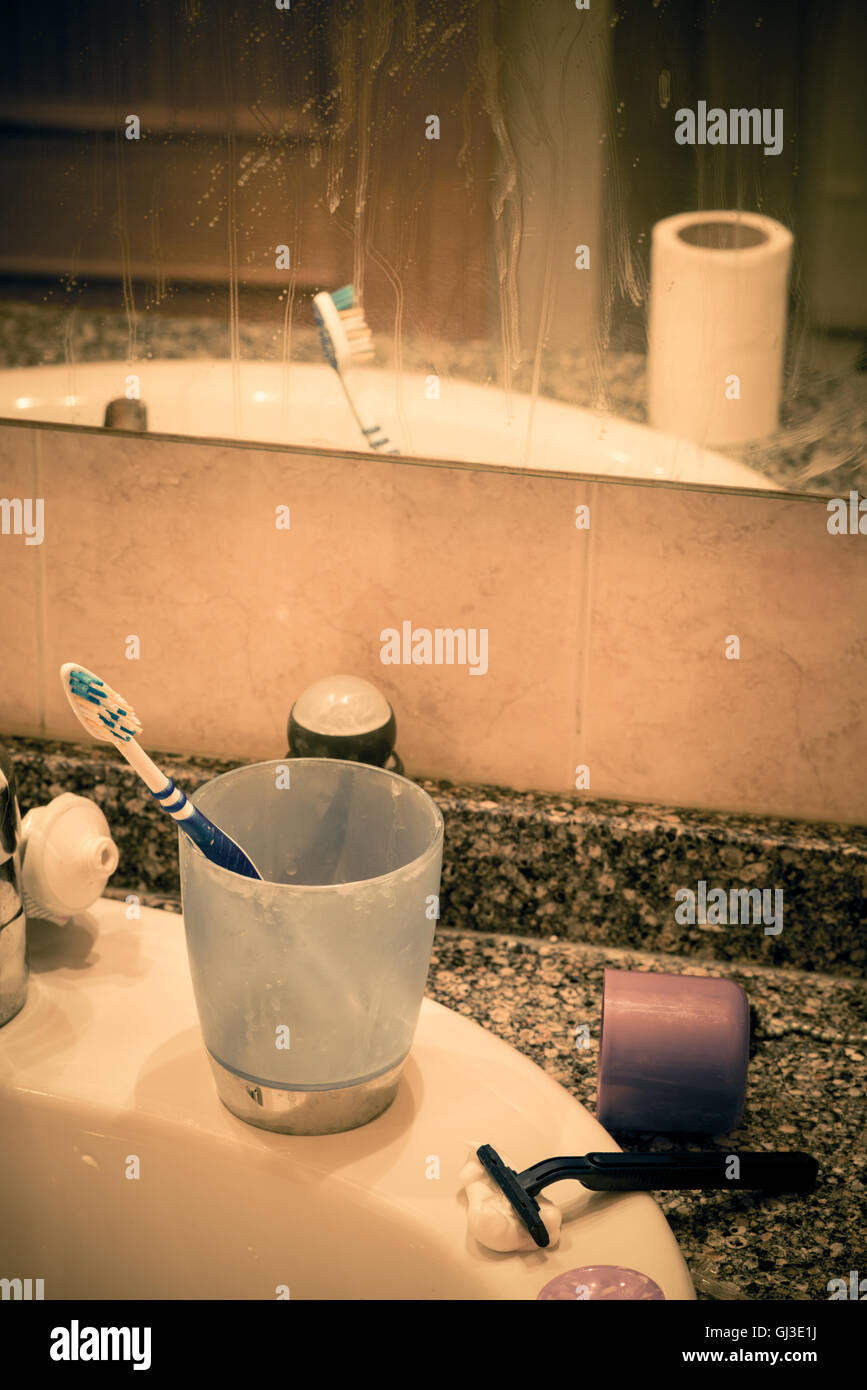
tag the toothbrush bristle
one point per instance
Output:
(343, 298)
(358, 335)
(357, 332)
(359, 339)
(105, 714)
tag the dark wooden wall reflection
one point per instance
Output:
(260, 128)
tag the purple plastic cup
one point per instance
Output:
(673, 1053)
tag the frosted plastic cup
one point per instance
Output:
(309, 983)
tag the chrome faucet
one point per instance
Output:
(13, 940)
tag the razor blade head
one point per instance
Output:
(524, 1206)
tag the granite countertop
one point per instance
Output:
(805, 1091)
(527, 863)
(819, 447)
(534, 907)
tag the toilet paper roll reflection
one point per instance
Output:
(717, 327)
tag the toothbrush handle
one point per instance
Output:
(780, 1172)
(214, 843)
(374, 434)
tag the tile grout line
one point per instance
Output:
(41, 620)
(586, 616)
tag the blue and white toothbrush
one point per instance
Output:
(347, 342)
(109, 717)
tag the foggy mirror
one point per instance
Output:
(614, 239)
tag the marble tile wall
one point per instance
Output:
(606, 646)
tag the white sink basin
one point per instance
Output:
(306, 407)
(105, 1064)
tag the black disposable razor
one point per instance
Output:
(618, 1172)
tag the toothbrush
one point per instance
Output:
(347, 342)
(109, 717)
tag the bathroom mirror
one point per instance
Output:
(185, 176)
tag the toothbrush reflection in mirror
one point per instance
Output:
(348, 343)
(109, 717)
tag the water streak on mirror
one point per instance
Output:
(491, 180)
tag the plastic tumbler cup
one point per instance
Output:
(309, 983)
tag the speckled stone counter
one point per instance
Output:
(535, 864)
(553, 869)
(819, 447)
(805, 1091)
